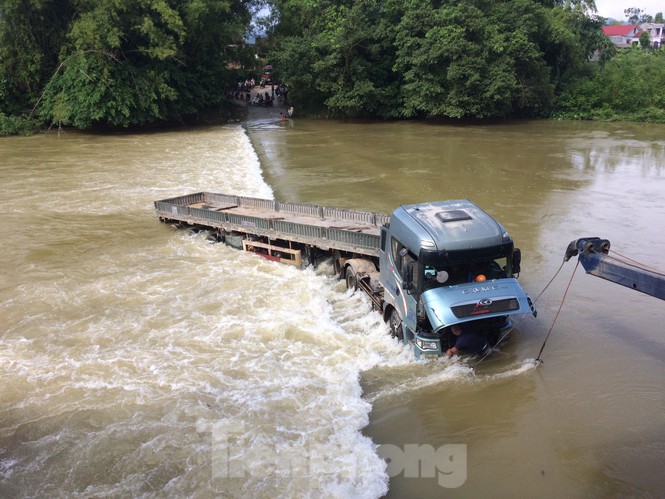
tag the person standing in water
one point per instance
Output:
(467, 341)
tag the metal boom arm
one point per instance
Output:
(593, 255)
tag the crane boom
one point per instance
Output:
(594, 256)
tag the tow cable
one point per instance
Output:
(538, 359)
(569, 253)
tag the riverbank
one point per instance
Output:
(250, 113)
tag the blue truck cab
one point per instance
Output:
(449, 263)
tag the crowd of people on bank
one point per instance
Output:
(244, 92)
(262, 100)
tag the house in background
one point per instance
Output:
(623, 35)
(656, 33)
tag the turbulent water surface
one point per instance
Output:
(138, 360)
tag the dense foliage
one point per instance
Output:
(121, 62)
(630, 86)
(396, 58)
(117, 63)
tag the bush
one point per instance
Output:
(630, 86)
(16, 125)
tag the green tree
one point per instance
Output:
(628, 87)
(119, 65)
(606, 50)
(120, 62)
(477, 60)
(635, 15)
(639, 92)
(358, 70)
(431, 57)
(455, 63)
(31, 35)
(334, 57)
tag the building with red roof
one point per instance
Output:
(623, 35)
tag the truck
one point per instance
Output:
(428, 268)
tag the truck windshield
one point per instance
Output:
(449, 269)
(460, 273)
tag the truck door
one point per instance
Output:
(403, 281)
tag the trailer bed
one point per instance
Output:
(313, 225)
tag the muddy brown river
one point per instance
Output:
(138, 360)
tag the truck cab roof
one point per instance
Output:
(446, 226)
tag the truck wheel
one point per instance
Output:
(337, 263)
(396, 330)
(351, 279)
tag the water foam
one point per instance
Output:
(118, 381)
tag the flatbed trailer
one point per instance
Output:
(279, 224)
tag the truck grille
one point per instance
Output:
(485, 306)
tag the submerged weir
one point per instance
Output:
(141, 360)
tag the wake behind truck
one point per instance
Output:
(426, 268)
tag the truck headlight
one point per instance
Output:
(427, 344)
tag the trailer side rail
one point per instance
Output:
(326, 228)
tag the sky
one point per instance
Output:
(615, 8)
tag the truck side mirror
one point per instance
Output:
(517, 259)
